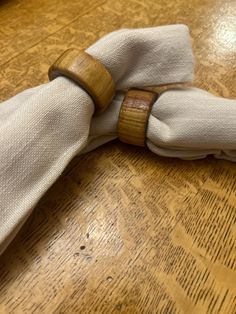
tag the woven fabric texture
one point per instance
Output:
(43, 128)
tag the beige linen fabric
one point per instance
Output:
(184, 123)
(191, 124)
(43, 128)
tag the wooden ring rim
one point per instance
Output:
(88, 73)
(133, 117)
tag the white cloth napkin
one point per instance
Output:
(43, 128)
(185, 123)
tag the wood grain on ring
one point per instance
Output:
(134, 115)
(89, 73)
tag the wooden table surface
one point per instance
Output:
(123, 230)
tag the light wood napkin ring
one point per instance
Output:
(87, 72)
(134, 114)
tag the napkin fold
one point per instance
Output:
(191, 124)
(43, 128)
(186, 123)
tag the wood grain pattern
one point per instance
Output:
(133, 117)
(87, 72)
(123, 230)
(24, 24)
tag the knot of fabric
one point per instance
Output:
(43, 128)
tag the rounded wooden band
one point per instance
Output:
(134, 114)
(89, 73)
